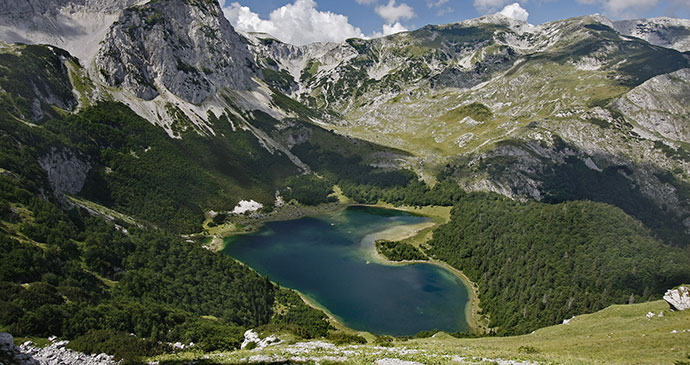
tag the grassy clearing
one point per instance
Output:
(476, 111)
(37, 341)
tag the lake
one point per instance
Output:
(331, 259)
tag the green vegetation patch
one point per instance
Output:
(309, 189)
(301, 319)
(85, 279)
(30, 75)
(476, 111)
(399, 251)
(281, 80)
(121, 345)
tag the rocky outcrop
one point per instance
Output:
(186, 46)
(678, 298)
(65, 171)
(10, 354)
(661, 105)
(251, 337)
(666, 32)
(57, 354)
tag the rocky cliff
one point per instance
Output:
(185, 46)
(75, 25)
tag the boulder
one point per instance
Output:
(678, 298)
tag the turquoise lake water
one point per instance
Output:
(330, 258)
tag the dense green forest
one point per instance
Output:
(537, 264)
(399, 251)
(139, 170)
(82, 274)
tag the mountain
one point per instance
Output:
(531, 103)
(126, 126)
(666, 32)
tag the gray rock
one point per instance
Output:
(10, 354)
(66, 172)
(678, 298)
(187, 47)
(666, 32)
(661, 104)
(75, 25)
(57, 354)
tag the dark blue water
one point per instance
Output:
(329, 258)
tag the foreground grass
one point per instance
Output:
(620, 334)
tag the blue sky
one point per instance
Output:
(305, 21)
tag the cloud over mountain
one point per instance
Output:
(297, 23)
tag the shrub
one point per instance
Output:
(340, 338)
(121, 345)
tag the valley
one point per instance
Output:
(481, 191)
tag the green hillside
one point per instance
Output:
(620, 334)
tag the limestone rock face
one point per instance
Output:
(666, 32)
(678, 298)
(661, 104)
(57, 353)
(186, 46)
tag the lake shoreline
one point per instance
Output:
(471, 310)
(253, 224)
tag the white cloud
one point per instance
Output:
(434, 3)
(444, 11)
(515, 11)
(440, 5)
(489, 6)
(678, 9)
(391, 13)
(365, 2)
(297, 23)
(389, 29)
(623, 8)
(392, 29)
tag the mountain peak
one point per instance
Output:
(184, 46)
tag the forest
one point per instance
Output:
(399, 251)
(77, 276)
(537, 264)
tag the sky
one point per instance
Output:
(306, 21)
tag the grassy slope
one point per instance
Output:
(620, 334)
(617, 334)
